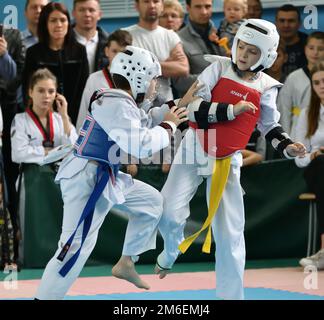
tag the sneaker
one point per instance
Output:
(316, 260)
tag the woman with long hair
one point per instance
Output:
(310, 130)
(61, 54)
(34, 133)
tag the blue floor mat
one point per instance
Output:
(250, 294)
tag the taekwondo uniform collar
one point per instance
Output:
(118, 93)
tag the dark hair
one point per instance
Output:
(26, 4)
(315, 103)
(122, 37)
(259, 3)
(188, 2)
(260, 7)
(78, 1)
(41, 74)
(42, 29)
(120, 82)
(319, 35)
(288, 8)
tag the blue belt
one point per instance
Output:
(87, 215)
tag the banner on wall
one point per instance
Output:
(12, 12)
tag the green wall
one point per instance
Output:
(276, 221)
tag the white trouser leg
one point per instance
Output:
(76, 192)
(228, 228)
(144, 206)
(180, 187)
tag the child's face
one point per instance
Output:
(246, 55)
(113, 49)
(318, 84)
(314, 50)
(43, 94)
(234, 10)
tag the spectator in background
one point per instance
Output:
(8, 257)
(43, 125)
(254, 9)
(235, 12)
(294, 96)
(61, 54)
(275, 71)
(116, 42)
(196, 42)
(87, 13)
(288, 23)
(33, 9)
(36, 132)
(165, 44)
(310, 130)
(12, 54)
(172, 16)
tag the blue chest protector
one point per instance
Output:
(93, 144)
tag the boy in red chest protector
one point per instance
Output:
(236, 96)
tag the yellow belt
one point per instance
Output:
(218, 183)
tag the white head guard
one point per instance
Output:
(138, 66)
(262, 34)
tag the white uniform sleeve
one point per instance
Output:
(122, 122)
(285, 103)
(65, 139)
(301, 130)
(21, 149)
(269, 115)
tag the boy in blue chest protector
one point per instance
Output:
(90, 179)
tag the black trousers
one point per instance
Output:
(314, 177)
(11, 169)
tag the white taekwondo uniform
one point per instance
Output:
(136, 133)
(184, 179)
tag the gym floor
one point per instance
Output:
(264, 280)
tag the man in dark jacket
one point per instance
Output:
(288, 22)
(196, 42)
(87, 13)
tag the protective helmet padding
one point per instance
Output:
(138, 66)
(262, 34)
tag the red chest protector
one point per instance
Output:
(230, 136)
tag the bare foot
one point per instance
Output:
(124, 269)
(161, 272)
